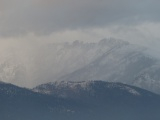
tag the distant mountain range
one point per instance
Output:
(109, 60)
(87, 100)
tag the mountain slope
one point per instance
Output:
(96, 100)
(23, 104)
(110, 100)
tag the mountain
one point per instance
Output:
(127, 63)
(94, 100)
(111, 60)
(57, 60)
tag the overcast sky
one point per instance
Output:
(136, 21)
(87, 20)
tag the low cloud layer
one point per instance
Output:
(18, 17)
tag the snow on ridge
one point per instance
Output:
(132, 91)
(45, 88)
(124, 87)
(71, 84)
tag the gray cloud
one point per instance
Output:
(18, 17)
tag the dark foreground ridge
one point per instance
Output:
(93, 100)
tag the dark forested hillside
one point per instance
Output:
(94, 100)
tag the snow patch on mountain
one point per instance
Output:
(123, 87)
(88, 86)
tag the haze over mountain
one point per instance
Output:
(49, 61)
(109, 60)
(87, 100)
